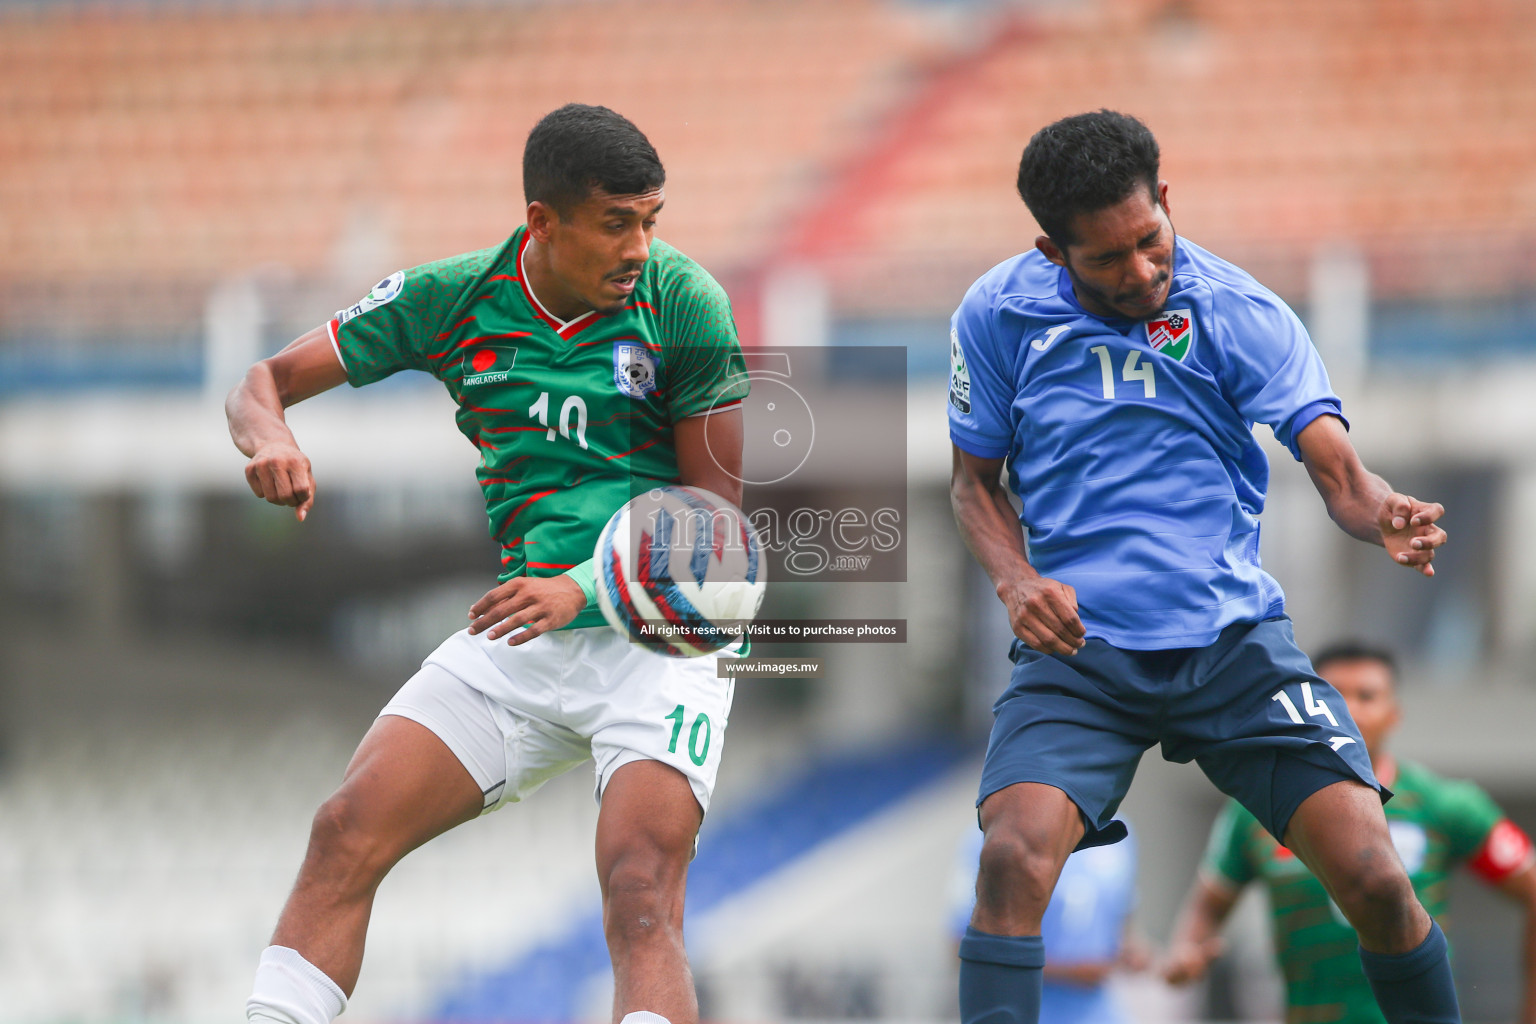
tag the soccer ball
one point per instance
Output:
(679, 571)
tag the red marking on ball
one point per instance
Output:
(483, 360)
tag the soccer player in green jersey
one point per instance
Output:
(1436, 824)
(590, 361)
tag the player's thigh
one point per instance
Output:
(1072, 724)
(481, 709)
(646, 830)
(1262, 725)
(637, 705)
(402, 787)
(1341, 833)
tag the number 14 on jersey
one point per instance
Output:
(1133, 370)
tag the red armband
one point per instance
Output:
(1506, 851)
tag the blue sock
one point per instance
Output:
(1000, 978)
(1414, 987)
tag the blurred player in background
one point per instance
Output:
(1086, 929)
(589, 362)
(1117, 370)
(1436, 824)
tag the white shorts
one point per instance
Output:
(516, 717)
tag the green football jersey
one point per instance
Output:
(1436, 824)
(572, 419)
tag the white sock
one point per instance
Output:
(291, 990)
(644, 1017)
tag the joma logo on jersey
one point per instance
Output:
(1172, 333)
(634, 369)
(488, 364)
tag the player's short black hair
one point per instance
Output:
(579, 149)
(1082, 164)
(1355, 650)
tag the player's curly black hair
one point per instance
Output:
(1082, 164)
(1355, 650)
(579, 149)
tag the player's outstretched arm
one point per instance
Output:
(1197, 932)
(1042, 611)
(278, 470)
(1363, 504)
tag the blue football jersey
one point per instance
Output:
(1130, 443)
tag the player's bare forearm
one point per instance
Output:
(1363, 504)
(987, 522)
(278, 471)
(1196, 937)
(709, 452)
(1042, 611)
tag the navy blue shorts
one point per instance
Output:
(1248, 709)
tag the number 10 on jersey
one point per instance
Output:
(1133, 370)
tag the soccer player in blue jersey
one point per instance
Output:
(1117, 370)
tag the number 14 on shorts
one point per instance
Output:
(1316, 708)
(698, 751)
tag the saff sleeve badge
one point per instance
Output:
(959, 375)
(1172, 333)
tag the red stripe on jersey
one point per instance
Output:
(509, 430)
(632, 451)
(519, 510)
(581, 323)
(549, 565)
(1507, 851)
(498, 480)
(478, 337)
(641, 305)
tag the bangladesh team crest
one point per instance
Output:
(634, 369)
(1172, 333)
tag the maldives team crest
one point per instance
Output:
(1172, 333)
(634, 369)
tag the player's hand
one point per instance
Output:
(280, 474)
(1043, 614)
(539, 603)
(1408, 531)
(1186, 962)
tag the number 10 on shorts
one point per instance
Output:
(697, 751)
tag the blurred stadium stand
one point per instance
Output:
(186, 186)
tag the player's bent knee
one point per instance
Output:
(1016, 868)
(643, 897)
(1373, 888)
(343, 851)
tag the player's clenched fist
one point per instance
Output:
(1043, 614)
(541, 604)
(280, 473)
(1408, 531)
